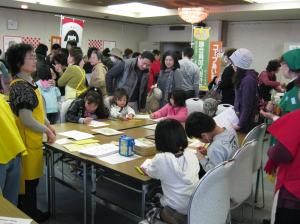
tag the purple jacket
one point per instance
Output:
(246, 101)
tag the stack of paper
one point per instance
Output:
(143, 142)
(142, 116)
(97, 124)
(10, 220)
(100, 150)
(77, 135)
(117, 158)
(227, 118)
(63, 141)
(151, 127)
(107, 131)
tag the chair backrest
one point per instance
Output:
(223, 107)
(241, 174)
(64, 108)
(194, 105)
(210, 203)
(257, 133)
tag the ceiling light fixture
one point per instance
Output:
(24, 6)
(193, 15)
(135, 7)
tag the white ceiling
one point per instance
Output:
(249, 12)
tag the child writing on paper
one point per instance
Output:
(176, 167)
(87, 107)
(175, 109)
(120, 108)
(223, 142)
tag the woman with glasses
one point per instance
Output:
(27, 105)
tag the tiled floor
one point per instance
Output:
(69, 206)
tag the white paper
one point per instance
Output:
(117, 158)
(151, 127)
(63, 141)
(196, 144)
(142, 116)
(107, 131)
(9, 220)
(227, 118)
(142, 142)
(77, 135)
(100, 150)
(97, 124)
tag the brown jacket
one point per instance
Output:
(98, 77)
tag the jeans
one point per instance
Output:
(10, 179)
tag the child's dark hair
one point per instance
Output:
(273, 66)
(94, 95)
(119, 93)
(15, 57)
(170, 136)
(179, 98)
(198, 123)
(60, 58)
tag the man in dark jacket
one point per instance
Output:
(41, 66)
(133, 77)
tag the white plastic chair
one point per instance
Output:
(241, 176)
(194, 105)
(258, 134)
(64, 108)
(210, 203)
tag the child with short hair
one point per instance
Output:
(120, 108)
(175, 109)
(223, 142)
(50, 93)
(176, 167)
(87, 107)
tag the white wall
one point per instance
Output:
(43, 25)
(161, 33)
(265, 39)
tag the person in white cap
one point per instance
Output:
(246, 91)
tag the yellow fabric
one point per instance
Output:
(11, 143)
(32, 164)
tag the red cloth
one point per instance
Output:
(154, 72)
(287, 131)
(268, 79)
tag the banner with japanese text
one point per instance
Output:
(201, 40)
(71, 29)
(214, 66)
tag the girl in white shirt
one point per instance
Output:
(176, 167)
(119, 108)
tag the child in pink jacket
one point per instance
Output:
(175, 109)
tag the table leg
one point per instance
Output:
(52, 182)
(84, 193)
(93, 191)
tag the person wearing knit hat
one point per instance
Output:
(246, 91)
(210, 107)
(242, 58)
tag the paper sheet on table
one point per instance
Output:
(76, 148)
(142, 116)
(151, 127)
(117, 158)
(86, 141)
(77, 135)
(143, 142)
(9, 220)
(107, 131)
(227, 118)
(97, 124)
(100, 150)
(63, 141)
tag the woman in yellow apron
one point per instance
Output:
(27, 105)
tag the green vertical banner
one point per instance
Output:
(201, 40)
